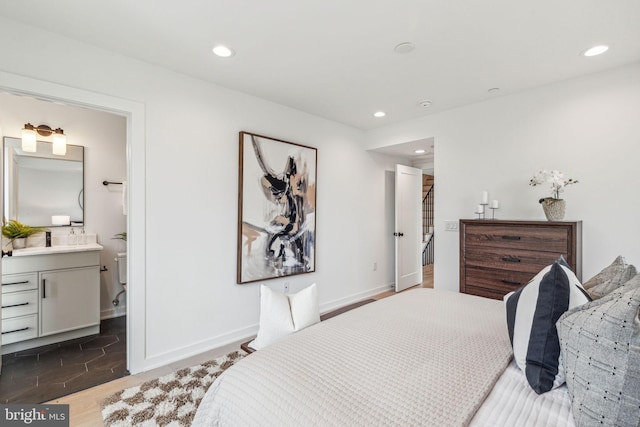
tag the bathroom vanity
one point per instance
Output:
(50, 294)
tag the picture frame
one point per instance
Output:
(276, 208)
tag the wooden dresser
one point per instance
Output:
(497, 257)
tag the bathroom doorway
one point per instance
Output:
(104, 137)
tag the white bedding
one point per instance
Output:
(423, 357)
(512, 403)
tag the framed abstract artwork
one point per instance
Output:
(276, 208)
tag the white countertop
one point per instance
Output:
(41, 250)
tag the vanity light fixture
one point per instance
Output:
(29, 138)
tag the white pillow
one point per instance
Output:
(304, 307)
(532, 313)
(282, 314)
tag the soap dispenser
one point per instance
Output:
(72, 240)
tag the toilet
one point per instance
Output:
(121, 260)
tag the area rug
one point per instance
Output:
(170, 400)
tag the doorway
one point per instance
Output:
(105, 138)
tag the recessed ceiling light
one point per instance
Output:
(379, 114)
(419, 151)
(405, 47)
(596, 50)
(425, 103)
(223, 51)
(494, 90)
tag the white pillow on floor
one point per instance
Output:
(282, 314)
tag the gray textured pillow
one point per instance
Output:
(600, 351)
(616, 267)
(598, 291)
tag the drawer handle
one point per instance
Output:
(16, 330)
(15, 305)
(510, 237)
(15, 283)
(511, 282)
(510, 259)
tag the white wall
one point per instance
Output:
(104, 137)
(589, 128)
(191, 127)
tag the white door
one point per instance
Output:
(408, 230)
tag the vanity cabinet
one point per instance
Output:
(50, 297)
(70, 299)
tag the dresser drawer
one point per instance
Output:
(19, 328)
(499, 256)
(19, 303)
(498, 281)
(19, 282)
(484, 292)
(544, 239)
(510, 259)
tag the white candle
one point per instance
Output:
(480, 209)
(494, 204)
(485, 197)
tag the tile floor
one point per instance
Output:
(44, 373)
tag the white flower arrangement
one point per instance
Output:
(555, 178)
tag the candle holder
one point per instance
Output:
(481, 211)
(493, 212)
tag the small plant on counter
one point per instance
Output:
(16, 230)
(121, 236)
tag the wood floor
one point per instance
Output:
(85, 407)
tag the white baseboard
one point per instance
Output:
(341, 302)
(162, 359)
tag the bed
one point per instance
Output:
(422, 357)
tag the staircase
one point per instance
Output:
(427, 219)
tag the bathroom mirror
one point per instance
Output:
(40, 185)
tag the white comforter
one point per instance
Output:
(423, 357)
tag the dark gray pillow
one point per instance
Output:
(598, 291)
(600, 353)
(616, 267)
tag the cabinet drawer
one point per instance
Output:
(19, 282)
(510, 259)
(19, 303)
(499, 281)
(19, 328)
(540, 238)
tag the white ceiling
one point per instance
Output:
(335, 59)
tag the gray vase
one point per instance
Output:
(553, 208)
